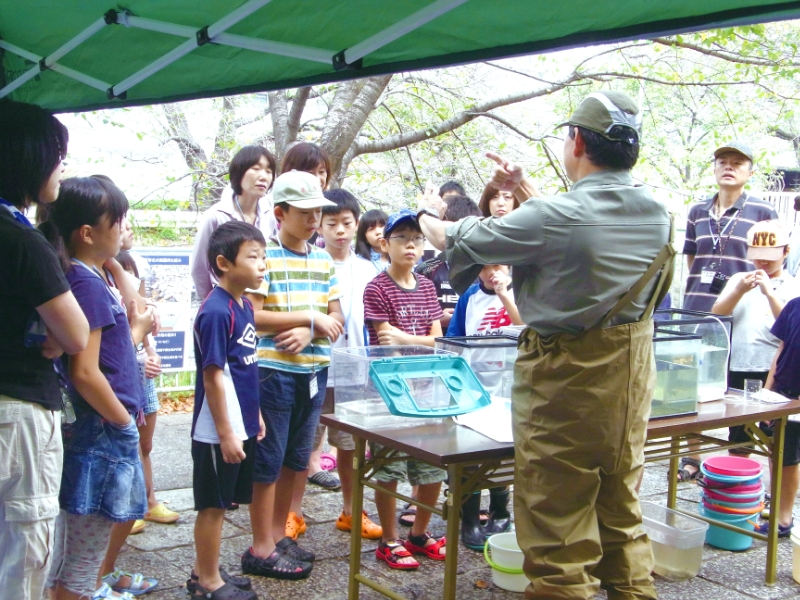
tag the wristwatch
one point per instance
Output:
(428, 211)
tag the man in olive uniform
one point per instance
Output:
(589, 266)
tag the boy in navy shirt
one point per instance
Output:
(227, 420)
(784, 378)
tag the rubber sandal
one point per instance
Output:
(243, 583)
(136, 586)
(228, 591)
(138, 526)
(389, 552)
(369, 530)
(327, 461)
(783, 531)
(161, 514)
(416, 545)
(325, 480)
(295, 525)
(289, 547)
(106, 593)
(276, 566)
(683, 473)
(409, 510)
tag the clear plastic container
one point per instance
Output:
(715, 331)
(491, 358)
(677, 540)
(677, 373)
(356, 398)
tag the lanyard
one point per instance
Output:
(96, 272)
(241, 212)
(15, 212)
(289, 294)
(730, 226)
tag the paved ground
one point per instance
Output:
(166, 551)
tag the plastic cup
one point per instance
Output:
(752, 390)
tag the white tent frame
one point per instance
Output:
(215, 34)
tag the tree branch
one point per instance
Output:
(298, 106)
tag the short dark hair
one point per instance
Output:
(246, 158)
(228, 238)
(81, 201)
(32, 144)
(606, 153)
(459, 207)
(125, 259)
(490, 192)
(306, 156)
(371, 218)
(450, 187)
(344, 201)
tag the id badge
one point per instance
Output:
(313, 388)
(707, 276)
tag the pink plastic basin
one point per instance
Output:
(733, 466)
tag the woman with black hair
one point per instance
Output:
(41, 320)
(251, 172)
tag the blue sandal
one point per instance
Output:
(783, 531)
(136, 587)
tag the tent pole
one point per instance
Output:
(74, 42)
(186, 47)
(399, 29)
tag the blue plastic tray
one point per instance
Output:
(428, 386)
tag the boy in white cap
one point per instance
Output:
(297, 315)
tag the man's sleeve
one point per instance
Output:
(213, 332)
(375, 304)
(690, 245)
(513, 240)
(779, 329)
(457, 326)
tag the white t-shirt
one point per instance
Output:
(752, 345)
(353, 274)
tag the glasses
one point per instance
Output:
(404, 239)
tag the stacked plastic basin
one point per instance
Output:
(733, 493)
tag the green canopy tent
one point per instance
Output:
(72, 55)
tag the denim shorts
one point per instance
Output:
(152, 403)
(291, 416)
(102, 470)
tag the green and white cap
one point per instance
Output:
(614, 115)
(299, 189)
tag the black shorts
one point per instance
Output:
(218, 484)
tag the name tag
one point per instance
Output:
(313, 387)
(707, 276)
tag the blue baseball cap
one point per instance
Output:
(398, 218)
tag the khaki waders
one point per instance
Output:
(580, 410)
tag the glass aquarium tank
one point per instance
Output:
(715, 334)
(677, 373)
(413, 378)
(491, 358)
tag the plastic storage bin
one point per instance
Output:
(491, 358)
(677, 371)
(715, 331)
(357, 398)
(677, 540)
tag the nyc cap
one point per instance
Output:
(611, 114)
(766, 240)
(402, 216)
(299, 189)
(737, 147)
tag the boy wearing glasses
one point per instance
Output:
(401, 308)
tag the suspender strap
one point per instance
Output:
(664, 262)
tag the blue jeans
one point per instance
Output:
(291, 415)
(102, 471)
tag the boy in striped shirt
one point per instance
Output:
(401, 308)
(297, 316)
